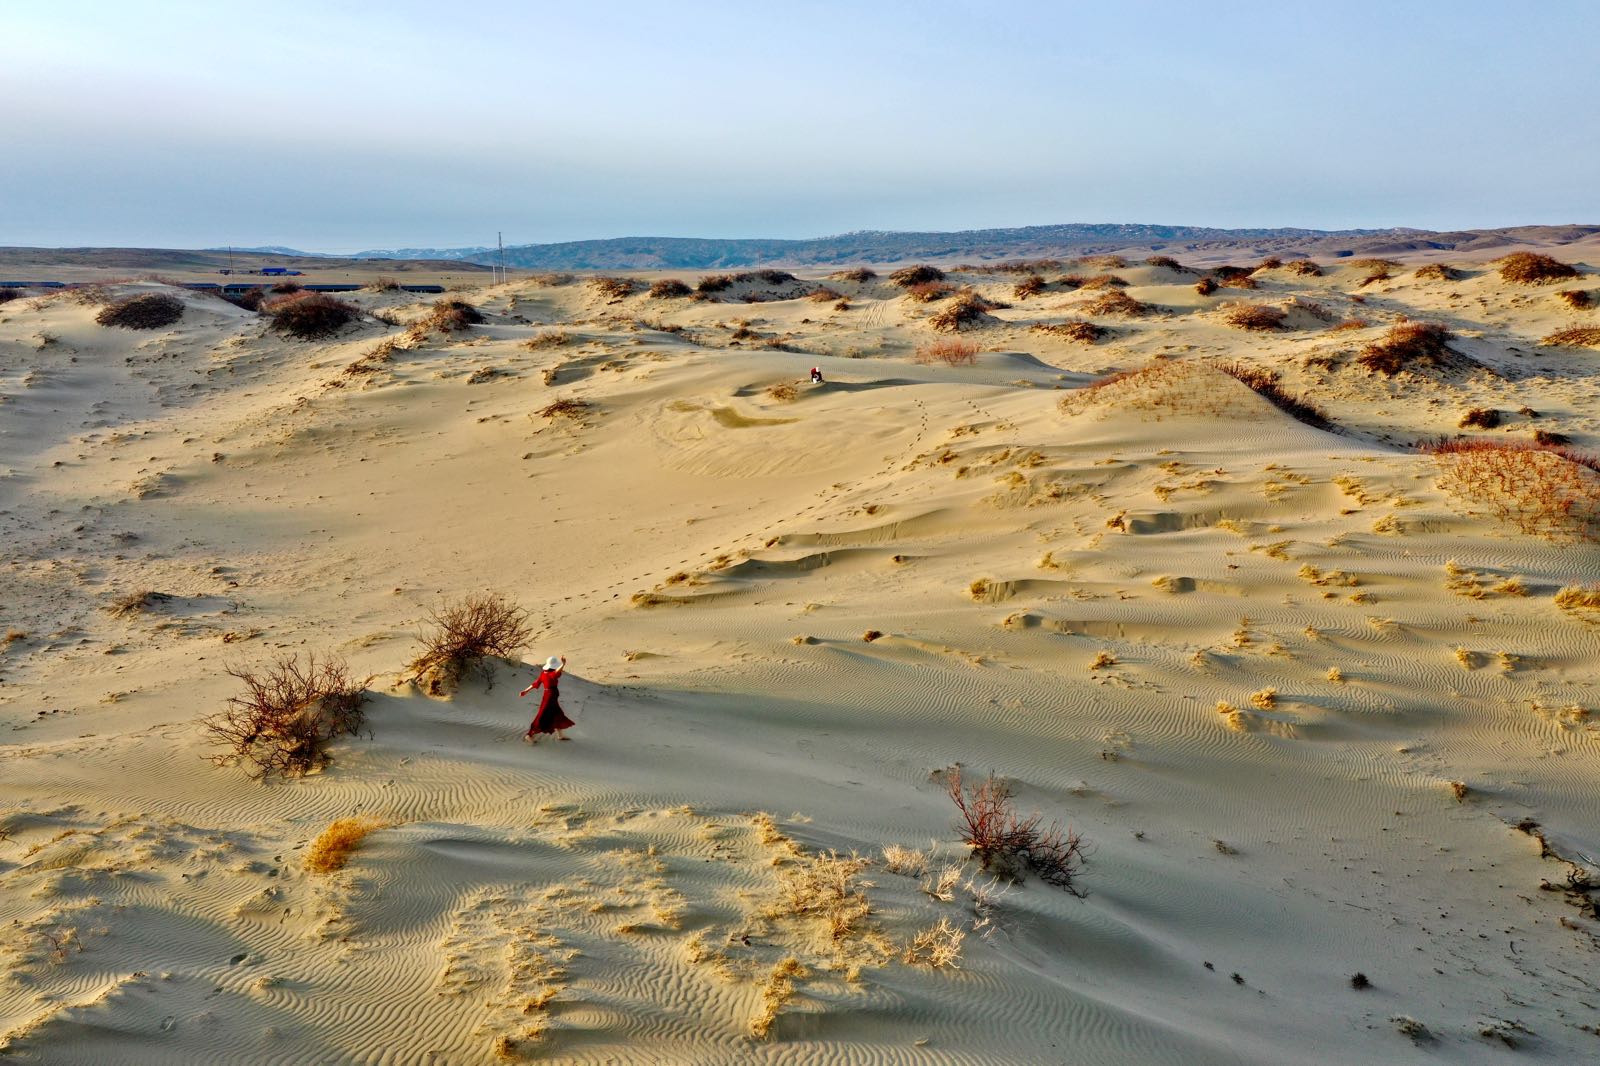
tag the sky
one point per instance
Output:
(352, 125)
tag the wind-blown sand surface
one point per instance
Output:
(709, 553)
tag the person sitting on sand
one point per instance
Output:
(816, 375)
(549, 718)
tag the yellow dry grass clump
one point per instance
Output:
(333, 846)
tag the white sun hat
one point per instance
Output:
(553, 663)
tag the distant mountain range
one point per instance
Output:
(883, 246)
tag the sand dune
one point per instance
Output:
(1253, 660)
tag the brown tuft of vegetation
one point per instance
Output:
(8, 294)
(1116, 302)
(1407, 346)
(921, 274)
(1072, 329)
(1305, 268)
(150, 311)
(1206, 286)
(1579, 598)
(712, 283)
(613, 288)
(551, 280)
(1166, 262)
(669, 289)
(1377, 270)
(284, 288)
(334, 845)
(1265, 383)
(1257, 317)
(464, 634)
(926, 292)
(1349, 324)
(131, 604)
(1032, 285)
(1577, 299)
(1480, 418)
(1271, 262)
(1550, 437)
(290, 710)
(565, 408)
(950, 353)
(1436, 272)
(967, 309)
(452, 316)
(1009, 845)
(1576, 337)
(310, 316)
(824, 295)
(550, 338)
(853, 274)
(1104, 262)
(1531, 268)
(1552, 492)
(249, 299)
(382, 283)
(1103, 281)
(783, 392)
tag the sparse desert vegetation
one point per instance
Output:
(291, 709)
(151, 310)
(462, 636)
(1410, 346)
(332, 848)
(614, 288)
(1533, 268)
(1257, 317)
(1010, 845)
(950, 353)
(1574, 337)
(906, 277)
(669, 289)
(310, 316)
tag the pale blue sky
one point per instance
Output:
(182, 124)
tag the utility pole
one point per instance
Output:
(500, 243)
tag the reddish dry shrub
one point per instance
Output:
(926, 292)
(150, 311)
(967, 309)
(1546, 491)
(1206, 286)
(1072, 330)
(1032, 285)
(1103, 281)
(289, 712)
(1074, 281)
(1166, 262)
(668, 289)
(1436, 272)
(464, 634)
(950, 353)
(1266, 384)
(309, 315)
(1257, 317)
(1009, 845)
(920, 274)
(1531, 268)
(1305, 268)
(853, 274)
(613, 288)
(1410, 346)
(823, 295)
(714, 283)
(249, 299)
(1480, 418)
(1376, 270)
(1577, 299)
(1117, 302)
(1271, 262)
(1349, 324)
(1576, 337)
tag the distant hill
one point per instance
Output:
(1063, 241)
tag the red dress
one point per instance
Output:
(549, 717)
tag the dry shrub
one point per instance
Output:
(1376, 270)
(907, 862)
(1271, 262)
(1408, 346)
(668, 289)
(1009, 845)
(310, 316)
(1531, 268)
(1550, 437)
(1577, 299)
(150, 311)
(613, 288)
(1104, 262)
(552, 338)
(1436, 272)
(714, 283)
(381, 284)
(250, 299)
(950, 353)
(1552, 492)
(1480, 418)
(452, 316)
(1032, 285)
(1103, 281)
(284, 288)
(1265, 384)
(1579, 598)
(1118, 303)
(776, 993)
(550, 281)
(824, 295)
(1206, 286)
(1576, 337)
(921, 274)
(1257, 317)
(1166, 262)
(1304, 268)
(926, 292)
(783, 392)
(333, 846)
(565, 408)
(89, 294)
(289, 712)
(937, 947)
(464, 635)
(8, 294)
(1349, 324)
(1074, 281)
(853, 274)
(130, 604)
(1072, 329)
(766, 277)
(967, 309)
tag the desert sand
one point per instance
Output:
(1297, 693)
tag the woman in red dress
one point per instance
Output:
(549, 718)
